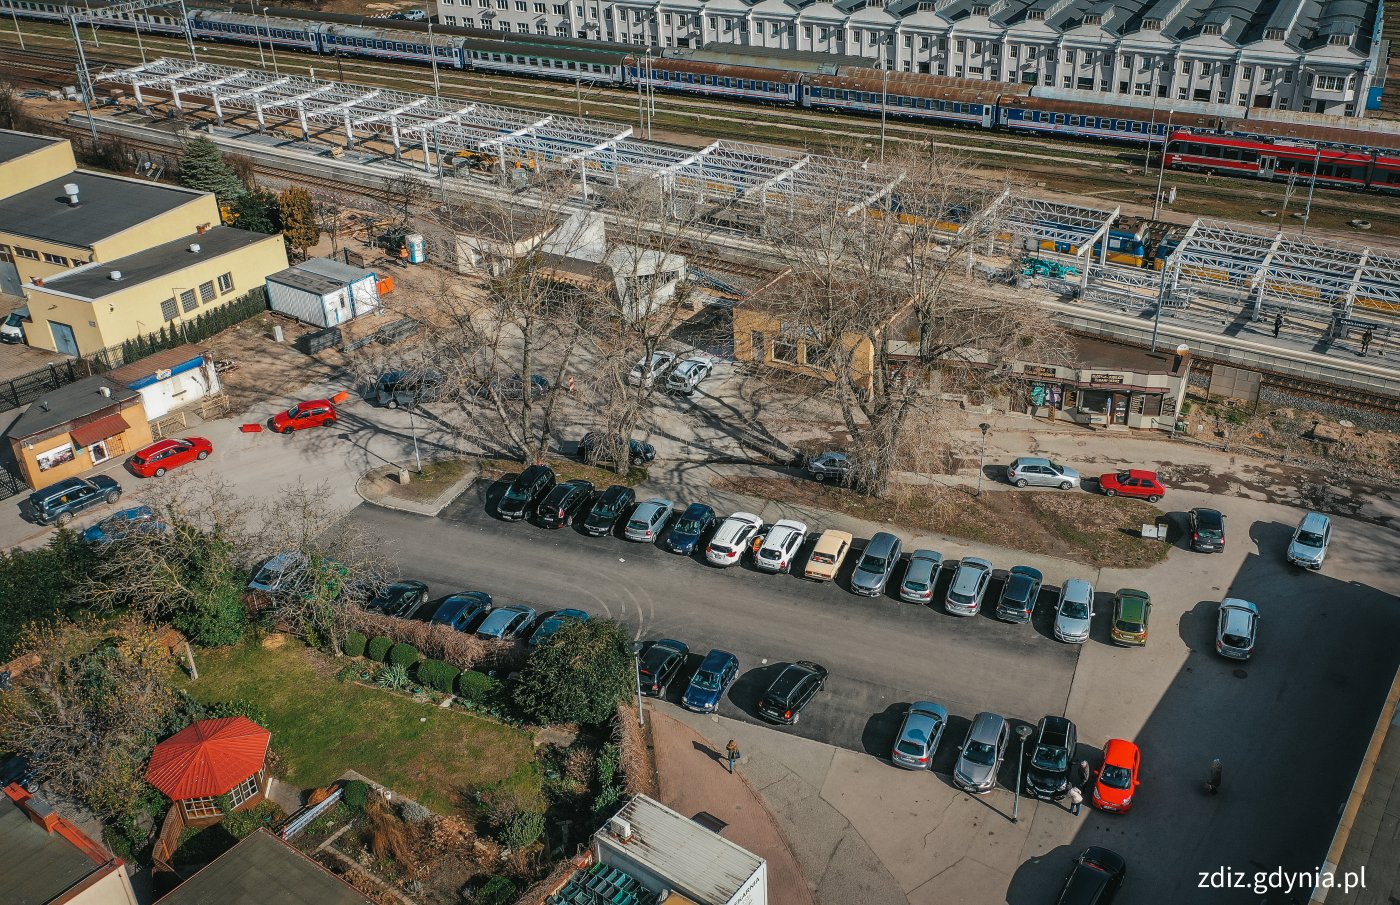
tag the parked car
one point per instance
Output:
(136, 520)
(1237, 628)
(646, 370)
(1117, 780)
(780, 547)
(919, 736)
(1142, 485)
(594, 449)
(829, 466)
(685, 533)
(57, 503)
(1047, 775)
(277, 572)
(981, 754)
(968, 587)
(717, 672)
(686, 376)
(827, 555)
(659, 664)
(563, 503)
(401, 599)
(1095, 878)
(1308, 548)
(512, 388)
(921, 576)
(731, 537)
(315, 413)
(551, 624)
(1019, 593)
(648, 519)
(876, 564)
(528, 488)
(506, 623)
(155, 460)
(394, 389)
(1131, 609)
(1034, 472)
(607, 508)
(797, 684)
(1207, 530)
(1075, 612)
(460, 611)
(12, 330)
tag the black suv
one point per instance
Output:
(408, 388)
(659, 665)
(401, 599)
(610, 506)
(594, 448)
(1207, 530)
(563, 503)
(797, 684)
(58, 503)
(1095, 878)
(525, 491)
(1051, 758)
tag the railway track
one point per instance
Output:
(1297, 386)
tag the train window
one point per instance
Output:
(1059, 119)
(1091, 122)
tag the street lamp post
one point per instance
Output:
(1023, 733)
(271, 47)
(982, 459)
(413, 428)
(432, 51)
(884, 104)
(1162, 168)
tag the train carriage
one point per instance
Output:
(155, 20)
(543, 62)
(1077, 118)
(389, 44)
(1214, 153)
(249, 29)
(906, 98)
(752, 83)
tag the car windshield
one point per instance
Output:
(824, 558)
(638, 524)
(607, 508)
(1232, 640)
(1075, 609)
(688, 526)
(980, 753)
(1127, 625)
(1115, 777)
(872, 563)
(706, 680)
(294, 412)
(1310, 539)
(517, 493)
(1050, 757)
(907, 747)
(1123, 477)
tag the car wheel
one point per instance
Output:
(286, 430)
(819, 478)
(1153, 498)
(1065, 485)
(64, 518)
(113, 496)
(661, 692)
(159, 472)
(392, 403)
(1110, 493)
(638, 460)
(1020, 482)
(203, 454)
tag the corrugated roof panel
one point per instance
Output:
(701, 864)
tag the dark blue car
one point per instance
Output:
(716, 673)
(140, 519)
(461, 610)
(687, 530)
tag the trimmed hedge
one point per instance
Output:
(438, 675)
(477, 687)
(355, 644)
(355, 794)
(404, 655)
(378, 647)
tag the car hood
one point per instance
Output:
(701, 697)
(860, 578)
(1299, 550)
(1071, 625)
(1047, 780)
(975, 774)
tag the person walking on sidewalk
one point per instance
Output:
(731, 751)
(1278, 323)
(1213, 780)
(1076, 798)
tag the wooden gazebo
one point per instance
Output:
(208, 759)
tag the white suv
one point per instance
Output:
(780, 547)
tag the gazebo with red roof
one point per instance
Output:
(211, 758)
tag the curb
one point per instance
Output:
(1358, 790)
(431, 509)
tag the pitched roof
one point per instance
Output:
(43, 856)
(208, 758)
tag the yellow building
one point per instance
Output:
(92, 307)
(75, 427)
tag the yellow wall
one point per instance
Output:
(748, 319)
(136, 436)
(123, 315)
(37, 167)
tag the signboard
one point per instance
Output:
(1105, 378)
(1039, 371)
(54, 457)
(162, 374)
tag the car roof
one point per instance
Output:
(1120, 752)
(1132, 605)
(717, 658)
(1105, 857)
(571, 613)
(160, 444)
(1209, 517)
(1028, 572)
(615, 491)
(1056, 723)
(1314, 521)
(697, 509)
(314, 402)
(1031, 460)
(688, 364)
(986, 727)
(833, 454)
(1140, 473)
(828, 541)
(670, 645)
(746, 516)
(1078, 589)
(533, 471)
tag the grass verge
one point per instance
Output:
(566, 469)
(431, 482)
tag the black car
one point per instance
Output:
(564, 503)
(1019, 593)
(58, 503)
(1094, 879)
(659, 664)
(685, 533)
(595, 448)
(1048, 774)
(513, 388)
(400, 599)
(460, 611)
(1207, 530)
(610, 505)
(525, 491)
(408, 388)
(797, 684)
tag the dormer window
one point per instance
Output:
(1093, 19)
(981, 10)
(1210, 30)
(927, 7)
(1151, 24)
(1035, 15)
(1338, 40)
(1273, 34)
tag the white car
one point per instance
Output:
(731, 538)
(780, 547)
(1075, 611)
(685, 377)
(645, 372)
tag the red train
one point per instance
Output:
(1372, 169)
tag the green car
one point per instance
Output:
(1131, 609)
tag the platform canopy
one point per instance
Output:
(208, 758)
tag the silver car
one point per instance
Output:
(645, 372)
(920, 576)
(969, 586)
(648, 519)
(876, 563)
(1237, 628)
(280, 569)
(1075, 611)
(919, 736)
(981, 754)
(1029, 471)
(1310, 541)
(685, 377)
(506, 623)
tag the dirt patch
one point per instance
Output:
(433, 481)
(1099, 531)
(567, 470)
(264, 363)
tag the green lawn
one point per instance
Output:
(322, 727)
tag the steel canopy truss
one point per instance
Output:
(1080, 228)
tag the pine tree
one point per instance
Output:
(257, 212)
(202, 167)
(298, 218)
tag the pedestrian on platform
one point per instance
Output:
(1278, 323)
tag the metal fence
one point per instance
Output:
(28, 387)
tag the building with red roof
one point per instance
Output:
(210, 758)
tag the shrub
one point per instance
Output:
(404, 655)
(495, 891)
(477, 687)
(355, 644)
(579, 678)
(355, 795)
(413, 812)
(378, 647)
(392, 676)
(438, 675)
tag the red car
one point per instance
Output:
(304, 415)
(1118, 777)
(163, 455)
(1141, 484)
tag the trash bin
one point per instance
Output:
(417, 248)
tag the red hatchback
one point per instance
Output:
(1141, 484)
(304, 415)
(1118, 777)
(163, 455)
